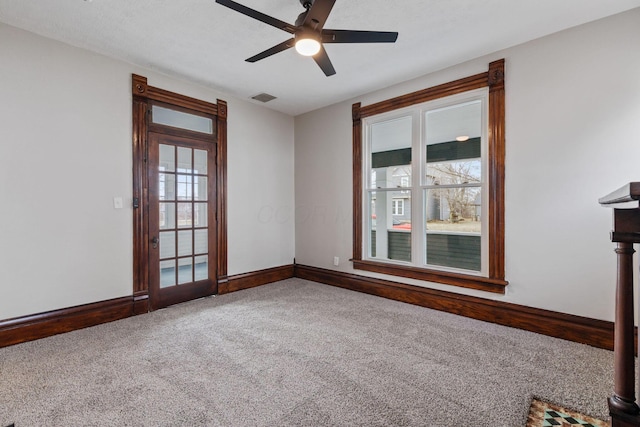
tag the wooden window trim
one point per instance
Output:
(493, 79)
(143, 97)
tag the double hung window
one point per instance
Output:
(429, 177)
(443, 226)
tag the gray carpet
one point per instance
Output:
(297, 353)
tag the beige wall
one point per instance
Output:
(573, 134)
(65, 147)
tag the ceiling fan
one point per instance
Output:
(309, 34)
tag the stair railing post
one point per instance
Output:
(623, 399)
(623, 407)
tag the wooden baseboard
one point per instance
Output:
(36, 326)
(255, 278)
(42, 325)
(597, 333)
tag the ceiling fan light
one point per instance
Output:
(307, 46)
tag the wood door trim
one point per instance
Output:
(141, 89)
(143, 96)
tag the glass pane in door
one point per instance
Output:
(185, 270)
(201, 267)
(167, 273)
(200, 162)
(167, 158)
(200, 215)
(183, 215)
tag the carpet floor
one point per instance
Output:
(297, 353)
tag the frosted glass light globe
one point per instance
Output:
(307, 47)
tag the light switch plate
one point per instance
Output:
(117, 202)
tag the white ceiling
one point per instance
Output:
(204, 42)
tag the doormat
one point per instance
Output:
(545, 414)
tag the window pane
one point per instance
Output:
(178, 119)
(201, 267)
(201, 241)
(167, 244)
(454, 250)
(454, 210)
(200, 215)
(185, 215)
(167, 273)
(461, 122)
(455, 172)
(167, 158)
(184, 160)
(453, 144)
(389, 232)
(185, 242)
(200, 162)
(185, 190)
(185, 270)
(167, 186)
(453, 237)
(167, 215)
(200, 187)
(391, 153)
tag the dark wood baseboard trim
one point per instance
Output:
(255, 278)
(597, 333)
(42, 325)
(140, 302)
(35, 326)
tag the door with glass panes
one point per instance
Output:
(182, 249)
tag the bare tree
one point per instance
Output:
(460, 200)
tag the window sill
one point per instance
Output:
(454, 279)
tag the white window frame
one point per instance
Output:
(418, 186)
(397, 207)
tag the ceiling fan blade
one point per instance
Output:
(318, 14)
(258, 15)
(323, 61)
(272, 51)
(349, 36)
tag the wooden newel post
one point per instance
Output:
(624, 348)
(623, 407)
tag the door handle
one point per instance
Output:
(154, 241)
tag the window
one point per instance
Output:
(429, 183)
(397, 207)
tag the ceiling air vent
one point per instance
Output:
(263, 97)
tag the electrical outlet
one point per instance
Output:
(336, 261)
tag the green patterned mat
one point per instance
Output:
(545, 414)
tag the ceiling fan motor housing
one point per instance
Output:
(306, 33)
